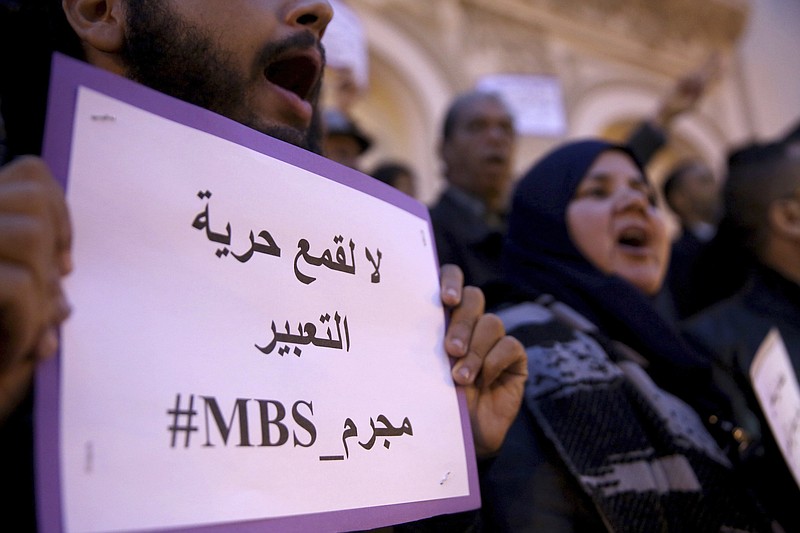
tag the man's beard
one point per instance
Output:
(168, 54)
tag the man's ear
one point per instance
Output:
(678, 203)
(784, 217)
(100, 24)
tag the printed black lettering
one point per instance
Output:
(304, 423)
(266, 423)
(225, 429)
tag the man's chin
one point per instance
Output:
(303, 138)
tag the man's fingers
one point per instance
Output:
(29, 186)
(488, 330)
(48, 343)
(63, 226)
(34, 210)
(452, 284)
(505, 360)
(21, 320)
(462, 322)
(59, 310)
(56, 209)
(35, 236)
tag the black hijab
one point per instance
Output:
(539, 257)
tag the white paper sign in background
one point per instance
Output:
(775, 384)
(189, 257)
(535, 101)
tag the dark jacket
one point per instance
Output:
(731, 332)
(465, 238)
(685, 251)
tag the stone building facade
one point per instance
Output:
(611, 59)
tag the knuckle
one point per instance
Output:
(28, 235)
(30, 197)
(30, 185)
(30, 167)
(515, 345)
(494, 323)
(24, 243)
(510, 347)
(475, 296)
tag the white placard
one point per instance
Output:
(775, 385)
(248, 339)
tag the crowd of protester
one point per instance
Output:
(595, 405)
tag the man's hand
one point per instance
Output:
(35, 237)
(492, 366)
(688, 90)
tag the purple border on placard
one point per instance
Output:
(67, 75)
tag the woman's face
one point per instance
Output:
(614, 222)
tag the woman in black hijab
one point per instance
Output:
(605, 440)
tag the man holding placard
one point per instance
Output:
(258, 63)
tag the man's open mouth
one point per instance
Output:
(496, 159)
(298, 74)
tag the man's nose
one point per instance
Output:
(499, 134)
(312, 14)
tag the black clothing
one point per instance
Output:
(17, 497)
(731, 332)
(720, 268)
(683, 260)
(466, 238)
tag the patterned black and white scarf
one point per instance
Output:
(641, 454)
